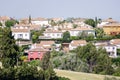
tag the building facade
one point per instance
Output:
(112, 29)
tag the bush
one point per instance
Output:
(35, 62)
(7, 74)
(27, 73)
(69, 62)
(117, 72)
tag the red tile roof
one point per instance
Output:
(38, 50)
(78, 42)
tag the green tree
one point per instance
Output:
(69, 62)
(10, 23)
(66, 36)
(99, 33)
(0, 24)
(116, 63)
(90, 37)
(29, 19)
(26, 72)
(82, 35)
(90, 22)
(7, 74)
(97, 59)
(52, 22)
(36, 34)
(34, 38)
(8, 49)
(97, 21)
(75, 25)
(118, 52)
(46, 65)
(89, 54)
(104, 63)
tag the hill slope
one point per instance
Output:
(79, 75)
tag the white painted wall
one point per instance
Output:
(111, 49)
(76, 32)
(53, 35)
(21, 35)
(40, 22)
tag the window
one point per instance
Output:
(113, 48)
(38, 54)
(25, 34)
(57, 34)
(20, 35)
(61, 35)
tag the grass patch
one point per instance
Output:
(80, 75)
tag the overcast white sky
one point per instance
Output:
(61, 8)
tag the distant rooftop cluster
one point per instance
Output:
(52, 29)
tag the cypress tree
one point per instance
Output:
(8, 49)
(29, 19)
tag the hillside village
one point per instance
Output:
(42, 34)
(31, 48)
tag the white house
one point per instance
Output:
(53, 34)
(76, 31)
(75, 43)
(115, 42)
(40, 21)
(111, 49)
(21, 33)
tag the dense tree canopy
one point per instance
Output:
(0, 24)
(8, 49)
(90, 22)
(66, 36)
(10, 23)
(69, 62)
(99, 33)
(36, 34)
(97, 59)
(53, 23)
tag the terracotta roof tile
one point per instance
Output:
(78, 42)
(53, 31)
(4, 18)
(81, 28)
(115, 41)
(39, 49)
(110, 20)
(47, 42)
(20, 30)
(39, 19)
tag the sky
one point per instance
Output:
(61, 8)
